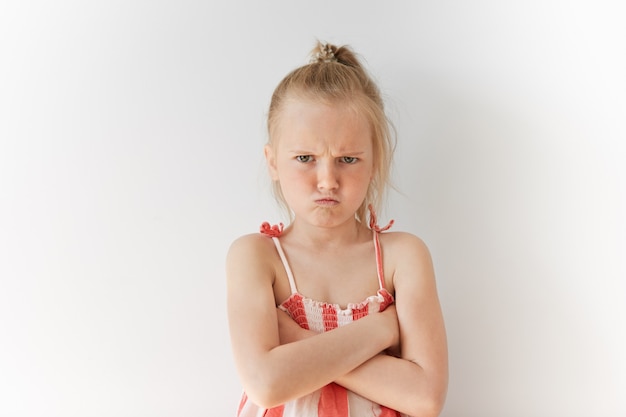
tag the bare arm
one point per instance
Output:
(416, 382)
(266, 367)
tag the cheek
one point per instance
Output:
(359, 181)
(368, 174)
(292, 179)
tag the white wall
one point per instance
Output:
(130, 156)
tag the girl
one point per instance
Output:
(321, 324)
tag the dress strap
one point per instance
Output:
(274, 231)
(379, 261)
(376, 230)
(283, 258)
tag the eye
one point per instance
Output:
(349, 159)
(304, 158)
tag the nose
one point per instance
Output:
(327, 176)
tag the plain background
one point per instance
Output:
(131, 137)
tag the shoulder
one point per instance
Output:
(250, 246)
(408, 257)
(403, 244)
(251, 251)
(251, 267)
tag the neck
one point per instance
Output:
(323, 237)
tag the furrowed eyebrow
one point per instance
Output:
(348, 153)
(311, 152)
(338, 154)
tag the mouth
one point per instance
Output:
(326, 202)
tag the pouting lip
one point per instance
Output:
(326, 201)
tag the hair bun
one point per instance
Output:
(324, 52)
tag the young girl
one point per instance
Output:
(321, 323)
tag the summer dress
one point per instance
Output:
(331, 400)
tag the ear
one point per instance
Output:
(270, 158)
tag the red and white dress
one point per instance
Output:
(331, 400)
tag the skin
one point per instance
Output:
(322, 156)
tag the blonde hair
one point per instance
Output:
(333, 75)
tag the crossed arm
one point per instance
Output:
(269, 347)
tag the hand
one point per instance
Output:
(288, 330)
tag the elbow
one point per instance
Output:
(266, 392)
(263, 399)
(263, 380)
(429, 409)
(431, 406)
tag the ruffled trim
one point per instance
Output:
(383, 298)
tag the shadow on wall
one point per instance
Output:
(495, 187)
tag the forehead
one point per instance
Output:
(339, 125)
